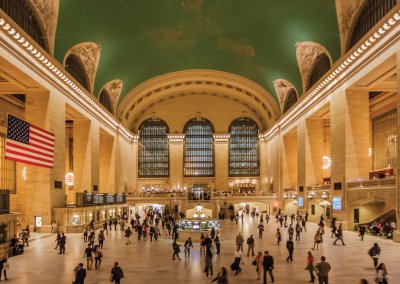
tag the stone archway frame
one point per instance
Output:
(282, 88)
(306, 54)
(197, 82)
(347, 13)
(114, 89)
(89, 54)
(47, 15)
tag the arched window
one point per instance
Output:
(291, 99)
(153, 149)
(321, 66)
(105, 100)
(244, 160)
(21, 12)
(370, 14)
(74, 66)
(199, 148)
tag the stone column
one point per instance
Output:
(126, 173)
(107, 163)
(263, 165)
(314, 151)
(221, 162)
(86, 155)
(396, 235)
(289, 160)
(350, 130)
(47, 111)
(176, 159)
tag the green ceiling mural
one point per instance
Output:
(143, 39)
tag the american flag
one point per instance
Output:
(27, 143)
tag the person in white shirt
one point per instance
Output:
(238, 258)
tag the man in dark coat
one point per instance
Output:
(80, 274)
(268, 265)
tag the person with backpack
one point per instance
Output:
(339, 236)
(176, 249)
(298, 231)
(374, 253)
(116, 274)
(128, 234)
(250, 246)
(290, 248)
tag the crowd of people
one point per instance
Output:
(163, 224)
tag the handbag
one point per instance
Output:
(111, 278)
(254, 262)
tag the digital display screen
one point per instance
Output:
(119, 198)
(301, 202)
(337, 203)
(196, 227)
(110, 198)
(98, 199)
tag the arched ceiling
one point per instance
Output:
(143, 39)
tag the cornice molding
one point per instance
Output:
(21, 46)
(89, 54)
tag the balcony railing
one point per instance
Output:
(214, 195)
(389, 182)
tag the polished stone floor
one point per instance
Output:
(145, 262)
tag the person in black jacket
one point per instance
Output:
(268, 265)
(80, 274)
(63, 241)
(117, 273)
(290, 248)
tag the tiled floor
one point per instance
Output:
(145, 262)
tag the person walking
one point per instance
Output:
(101, 239)
(222, 277)
(105, 228)
(58, 238)
(217, 242)
(260, 230)
(258, 263)
(116, 274)
(339, 236)
(303, 224)
(98, 254)
(208, 263)
(80, 274)
(239, 241)
(128, 234)
(321, 232)
(381, 274)
(298, 231)
(250, 245)
(188, 244)
(4, 266)
(334, 229)
(176, 249)
(268, 266)
(317, 240)
(361, 232)
(290, 231)
(374, 253)
(85, 235)
(63, 241)
(278, 236)
(290, 248)
(310, 266)
(322, 270)
(92, 237)
(89, 257)
(238, 259)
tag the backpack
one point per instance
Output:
(118, 273)
(372, 252)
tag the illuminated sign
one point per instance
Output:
(337, 203)
(301, 202)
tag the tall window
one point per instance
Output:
(7, 168)
(74, 66)
(371, 13)
(243, 148)
(21, 12)
(384, 140)
(105, 100)
(199, 148)
(290, 100)
(321, 66)
(153, 149)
